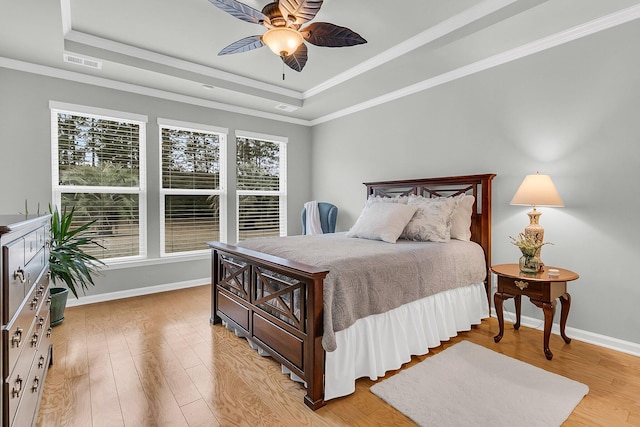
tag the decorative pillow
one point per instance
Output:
(461, 218)
(432, 220)
(382, 221)
(379, 199)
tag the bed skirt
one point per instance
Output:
(383, 342)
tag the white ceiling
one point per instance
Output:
(168, 48)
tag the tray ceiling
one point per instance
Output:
(169, 48)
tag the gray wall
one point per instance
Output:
(25, 150)
(570, 112)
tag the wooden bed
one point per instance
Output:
(254, 292)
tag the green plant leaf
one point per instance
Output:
(68, 262)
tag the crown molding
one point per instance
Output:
(170, 61)
(609, 21)
(128, 50)
(65, 9)
(429, 35)
(454, 23)
(577, 32)
(141, 90)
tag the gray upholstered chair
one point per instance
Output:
(328, 217)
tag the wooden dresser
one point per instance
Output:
(26, 350)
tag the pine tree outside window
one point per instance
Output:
(261, 185)
(192, 196)
(98, 169)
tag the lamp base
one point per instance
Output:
(535, 231)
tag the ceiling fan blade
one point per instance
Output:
(243, 45)
(300, 10)
(330, 35)
(298, 59)
(240, 11)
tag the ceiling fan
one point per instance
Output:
(284, 36)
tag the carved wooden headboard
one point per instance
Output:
(478, 186)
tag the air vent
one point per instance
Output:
(78, 60)
(286, 107)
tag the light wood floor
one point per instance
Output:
(156, 361)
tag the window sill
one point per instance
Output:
(117, 265)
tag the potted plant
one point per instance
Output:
(68, 261)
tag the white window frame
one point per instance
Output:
(221, 192)
(57, 189)
(282, 193)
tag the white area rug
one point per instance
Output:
(469, 385)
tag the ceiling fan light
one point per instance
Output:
(282, 40)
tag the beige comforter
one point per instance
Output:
(369, 277)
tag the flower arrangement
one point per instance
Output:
(527, 244)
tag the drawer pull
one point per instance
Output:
(34, 340)
(16, 339)
(49, 333)
(41, 362)
(41, 323)
(36, 384)
(17, 388)
(40, 290)
(49, 300)
(19, 274)
(34, 303)
(521, 284)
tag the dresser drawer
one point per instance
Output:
(38, 296)
(14, 278)
(17, 383)
(28, 403)
(24, 306)
(19, 334)
(33, 272)
(33, 242)
(42, 234)
(42, 327)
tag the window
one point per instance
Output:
(261, 185)
(98, 169)
(192, 186)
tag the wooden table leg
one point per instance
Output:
(565, 302)
(549, 309)
(498, 299)
(518, 303)
(497, 302)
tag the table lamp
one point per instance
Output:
(536, 190)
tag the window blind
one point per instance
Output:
(191, 188)
(117, 226)
(261, 189)
(99, 174)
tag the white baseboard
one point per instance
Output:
(530, 322)
(110, 296)
(578, 334)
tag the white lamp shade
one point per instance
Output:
(537, 190)
(282, 40)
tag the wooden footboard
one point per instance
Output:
(277, 305)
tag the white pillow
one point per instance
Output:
(380, 199)
(382, 221)
(461, 218)
(432, 220)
